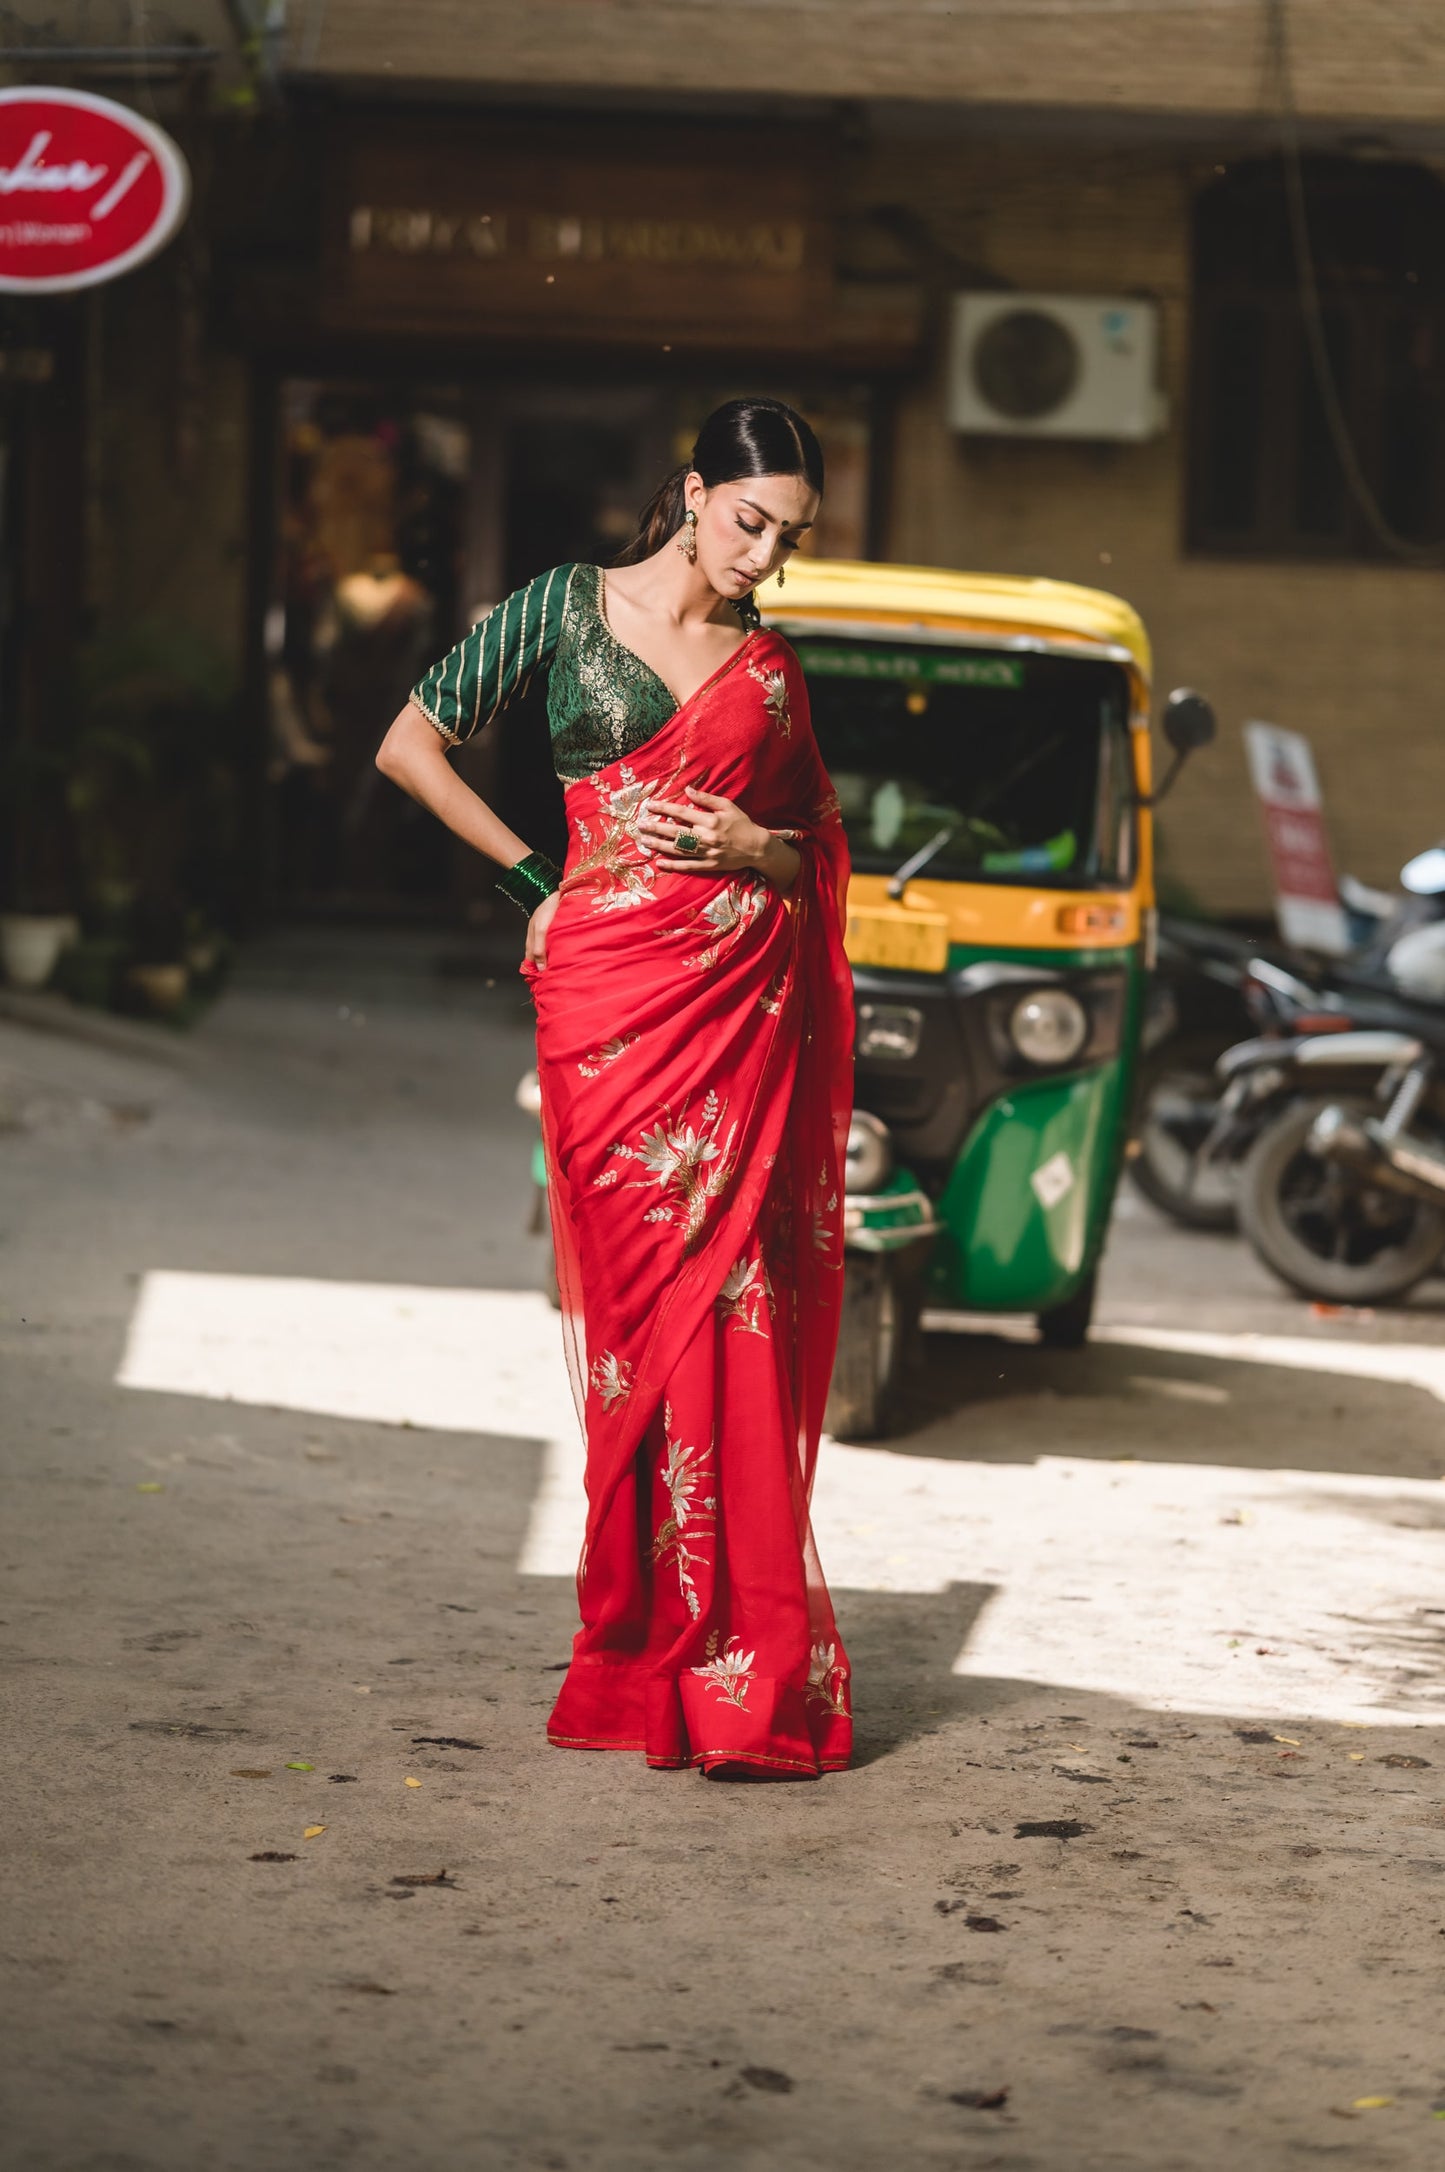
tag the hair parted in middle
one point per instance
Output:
(742, 438)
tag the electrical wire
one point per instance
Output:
(1316, 340)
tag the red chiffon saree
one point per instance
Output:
(694, 1037)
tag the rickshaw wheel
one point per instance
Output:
(880, 1318)
(1066, 1326)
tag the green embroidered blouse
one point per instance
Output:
(602, 701)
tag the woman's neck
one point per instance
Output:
(671, 585)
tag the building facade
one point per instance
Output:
(460, 281)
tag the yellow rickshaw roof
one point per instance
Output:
(840, 590)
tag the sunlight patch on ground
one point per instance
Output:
(1201, 1587)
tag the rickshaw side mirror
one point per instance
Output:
(1188, 723)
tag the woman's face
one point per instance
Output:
(746, 530)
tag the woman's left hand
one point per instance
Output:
(726, 837)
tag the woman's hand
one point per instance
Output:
(537, 928)
(726, 837)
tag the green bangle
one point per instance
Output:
(530, 881)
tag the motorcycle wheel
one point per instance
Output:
(1177, 1102)
(1321, 1229)
(880, 1317)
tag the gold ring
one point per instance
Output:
(687, 843)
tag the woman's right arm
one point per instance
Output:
(414, 756)
(458, 697)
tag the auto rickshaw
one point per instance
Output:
(989, 741)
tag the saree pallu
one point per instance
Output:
(694, 1038)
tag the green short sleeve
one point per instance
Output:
(474, 681)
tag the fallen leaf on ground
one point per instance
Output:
(1356, 1757)
(298, 1764)
(313, 1832)
(336, 1778)
(413, 1783)
(767, 2077)
(979, 2100)
(1371, 2104)
(250, 1772)
(378, 1990)
(1292, 1740)
(274, 1855)
(423, 1877)
(1404, 1764)
(446, 1742)
(150, 1485)
(1051, 1829)
(983, 1923)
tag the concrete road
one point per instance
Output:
(1142, 1863)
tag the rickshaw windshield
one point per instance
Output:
(1019, 765)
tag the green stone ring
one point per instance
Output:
(687, 843)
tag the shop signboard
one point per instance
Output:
(664, 238)
(1307, 897)
(88, 190)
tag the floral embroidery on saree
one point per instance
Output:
(732, 908)
(680, 1534)
(825, 1220)
(611, 1377)
(746, 1295)
(827, 1681)
(775, 696)
(615, 862)
(596, 1060)
(689, 1161)
(728, 1671)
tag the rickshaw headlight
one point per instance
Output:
(891, 1030)
(869, 1158)
(1048, 1027)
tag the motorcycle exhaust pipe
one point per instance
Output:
(1397, 1165)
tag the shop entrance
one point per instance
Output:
(407, 510)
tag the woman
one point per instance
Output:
(694, 1037)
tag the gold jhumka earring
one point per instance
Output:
(782, 575)
(687, 541)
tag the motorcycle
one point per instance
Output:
(1188, 1141)
(1342, 1191)
(1342, 1194)
(1198, 1114)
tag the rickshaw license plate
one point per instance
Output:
(911, 942)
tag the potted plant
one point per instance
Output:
(40, 919)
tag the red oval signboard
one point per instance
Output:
(87, 190)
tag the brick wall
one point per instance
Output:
(1352, 655)
(1383, 58)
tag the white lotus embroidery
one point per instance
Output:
(728, 1671)
(680, 1534)
(690, 1163)
(615, 862)
(827, 1681)
(732, 908)
(745, 1295)
(611, 1377)
(825, 1219)
(775, 697)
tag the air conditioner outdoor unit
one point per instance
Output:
(1055, 365)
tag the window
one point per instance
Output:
(1014, 768)
(1265, 481)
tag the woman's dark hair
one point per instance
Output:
(739, 439)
